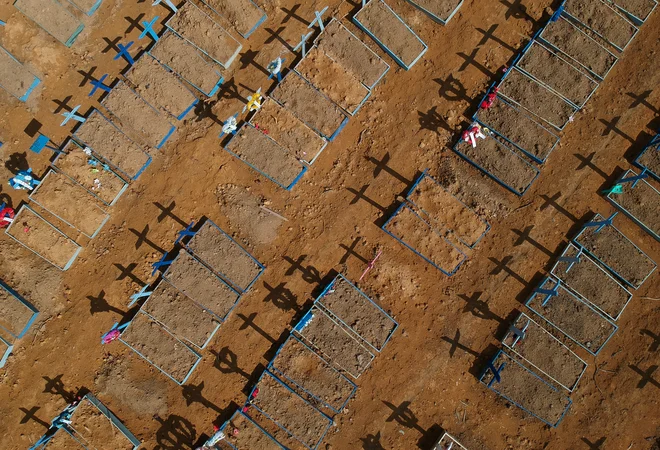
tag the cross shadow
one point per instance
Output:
(551, 201)
(291, 14)
(502, 266)
(33, 128)
(55, 386)
(647, 376)
(17, 162)
(350, 251)
(127, 272)
(63, 104)
(99, 304)
(134, 23)
(226, 361)
(166, 211)
(248, 322)
(453, 90)
(193, 394)
(470, 60)
(229, 91)
(175, 433)
(143, 239)
(204, 110)
(382, 166)
(613, 127)
(517, 10)
(404, 416)
(594, 445)
(655, 344)
(587, 162)
(360, 195)
(87, 76)
(310, 274)
(248, 59)
(479, 308)
(525, 236)
(111, 44)
(642, 140)
(275, 36)
(282, 297)
(642, 99)
(433, 121)
(456, 345)
(30, 415)
(488, 35)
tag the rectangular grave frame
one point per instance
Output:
(267, 373)
(576, 242)
(253, 29)
(411, 191)
(58, 169)
(453, 440)
(43, 182)
(295, 181)
(73, 258)
(273, 369)
(69, 42)
(302, 323)
(638, 21)
(319, 303)
(220, 274)
(559, 50)
(82, 144)
(456, 146)
(35, 83)
(493, 362)
(654, 145)
(35, 312)
(575, 289)
(434, 17)
(4, 355)
(409, 247)
(385, 48)
(612, 198)
(513, 350)
(211, 273)
(89, 12)
(112, 418)
(249, 419)
(574, 19)
(577, 298)
(193, 351)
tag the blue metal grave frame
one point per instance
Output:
(432, 230)
(638, 21)
(172, 127)
(69, 263)
(177, 115)
(612, 198)
(303, 168)
(493, 362)
(266, 373)
(513, 349)
(597, 217)
(575, 289)
(17, 334)
(223, 428)
(4, 355)
(253, 29)
(211, 274)
(91, 10)
(272, 367)
(193, 351)
(223, 276)
(434, 17)
(31, 88)
(43, 180)
(69, 42)
(386, 49)
(58, 169)
(341, 125)
(652, 146)
(559, 285)
(327, 291)
(425, 174)
(217, 85)
(550, 45)
(497, 179)
(82, 144)
(567, 14)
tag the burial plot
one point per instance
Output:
(309, 105)
(544, 352)
(89, 172)
(518, 128)
(137, 117)
(288, 131)
(590, 281)
(345, 48)
(259, 151)
(160, 87)
(250, 435)
(549, 69)
(615, 251)
(572, 316)
(447, 442)
(70, 203)
(180, 315)
(108, 142)
(637, 10)
(333, 80)
(499, 162)
(307, 373)
(417, 235)
(196, 281)
(63, 440)
(350, 306)
(290, 411)
(577, 45)
(182, 58)
(42, 238)
(638, 200)
(389, 31)
(16, 314)
(89, 7)
(522, 387)
(536, 98)
(603, 20)
(196, 27)
(51, 16)
(649, 158)
(441, 208)
(333, 342)
(439, 10)
(160, 348)
(5, 350)
(15, 78)
(225, 256)
(244, 15)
